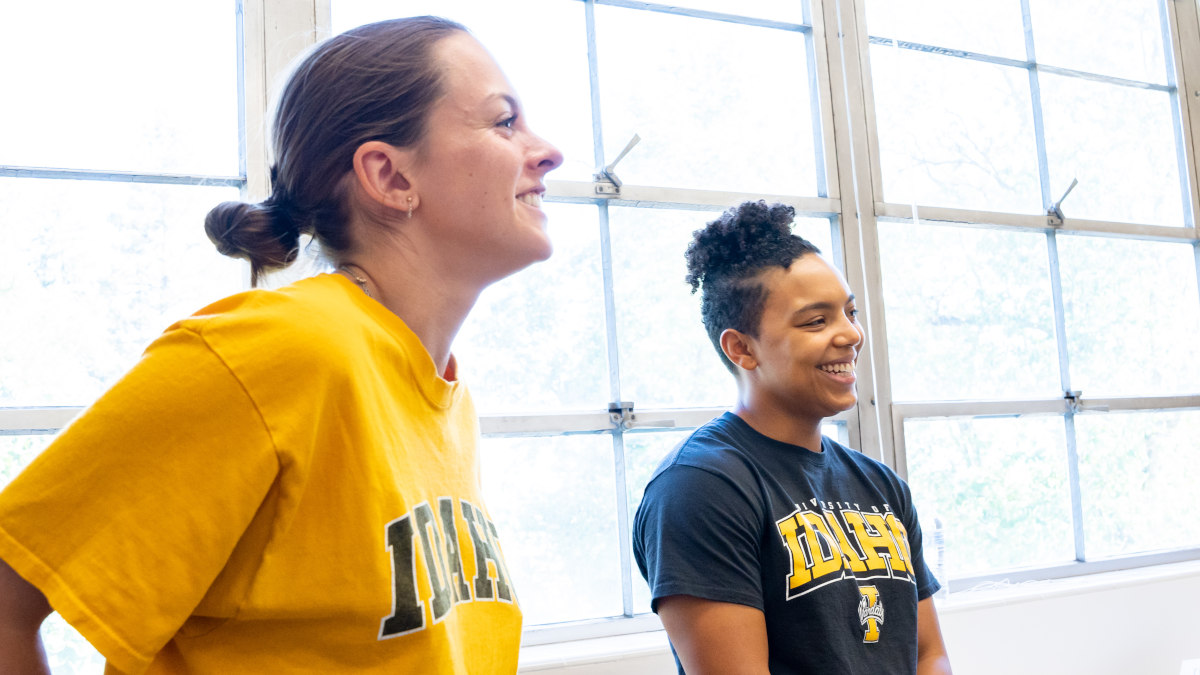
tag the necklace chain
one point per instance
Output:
(344, 268)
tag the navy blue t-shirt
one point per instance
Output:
(826, 544)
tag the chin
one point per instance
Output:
(843, 406)
(542, 250)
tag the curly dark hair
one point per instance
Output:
(726, 257)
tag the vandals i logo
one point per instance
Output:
(870, 613)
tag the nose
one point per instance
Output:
(545, 157)
(850, 333)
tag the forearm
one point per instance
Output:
(21, 653)
(932, 657)
(934, 664)
(715, 638)
(22, 610)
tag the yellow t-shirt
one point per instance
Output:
(283, 483)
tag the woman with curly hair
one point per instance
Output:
(288, 480)
(767, 547)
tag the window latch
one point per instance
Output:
(1054, 214)
(1074, 401)
(606, 180)
(621, 414)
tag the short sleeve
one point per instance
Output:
(697, 533)
(927, 584)
(125, 521)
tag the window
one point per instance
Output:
(1033, 375)
(119, 131)
(1038, 254)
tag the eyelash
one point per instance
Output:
(852, 313)
(508, 122)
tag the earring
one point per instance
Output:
(410, 208)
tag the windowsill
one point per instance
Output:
(650, 643)
(989, 595)
(593, 650)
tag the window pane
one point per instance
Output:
(92, 272)
(554, 503)
(141, 85)
(1131, 316)
(709, 118)
(1122, 39)
(1119, 142)
(16, 452)
(779, 10)
(540, 45)
(535, 341)
(1138, 473)
(999, 487)
(953, 132)
(666, 357)
(969, 313)
(986, 27)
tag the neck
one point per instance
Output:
(432, 304)
(778, 424)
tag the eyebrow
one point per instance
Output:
(510, 100)
(821, 305)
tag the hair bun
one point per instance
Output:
(264, 234)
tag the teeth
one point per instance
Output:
(532, 199)
(842, 368)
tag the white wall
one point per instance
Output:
(1137, 622)
(1144, 622)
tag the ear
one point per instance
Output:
(738, 349)
(382, 171)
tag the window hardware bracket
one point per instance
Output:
(1054, 214)
(621, 414)
(605, 179)
(1075, 403)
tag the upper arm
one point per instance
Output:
(22, 605)
(715, 637)
(129, 517)
(696, 534)
(931, 649)
(22, 610)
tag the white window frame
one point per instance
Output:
(1181, 28)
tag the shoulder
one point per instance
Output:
(711, 468)
(313, 331)
(314, 323)
(716, 448)
(310, 311)
(873, 471)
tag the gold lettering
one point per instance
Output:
(851, 556)
(872, 535)
(826, 559)
(788, 530)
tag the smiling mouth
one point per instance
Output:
(531, 198)
(838, 368)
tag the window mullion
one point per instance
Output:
(856, 152)
(1172, 39)
(1064, 370)
(253, 78)
(1035, 97)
